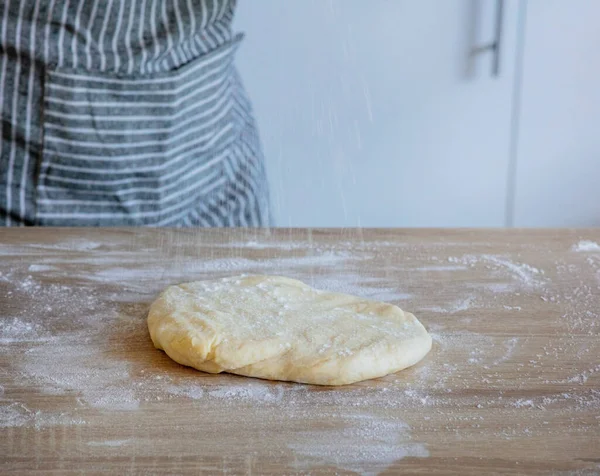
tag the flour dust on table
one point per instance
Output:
(512, 377)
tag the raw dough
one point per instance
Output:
(278, 328)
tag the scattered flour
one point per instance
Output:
(525, 275)
(358, 285)
(441, 268)
(523, 403)
(100, 382)
(583, 377)
(88, 363)
(40, 268)
(81, 365)
(496, 288)
(110, 443)
(73, 244)
(267, 245)
(251, 391)
(16, 414)
(137, 277)
(19, 330)
(457, 306)
(382, 443)
(195, 392)
(585, 245)
(510, 345)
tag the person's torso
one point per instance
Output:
(120, 36)
(121, 112)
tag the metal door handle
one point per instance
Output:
(496, 44)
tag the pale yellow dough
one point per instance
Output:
(281, 329)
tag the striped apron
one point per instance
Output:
(125, 112)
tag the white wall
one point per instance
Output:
(368, 118)
(558, 173)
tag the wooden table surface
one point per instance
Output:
(512, 384)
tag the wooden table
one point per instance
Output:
(512, 384)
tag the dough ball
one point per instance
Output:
(278, 328)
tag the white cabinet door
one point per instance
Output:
(369, 116)
(558, 161)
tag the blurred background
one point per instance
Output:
(427, 112)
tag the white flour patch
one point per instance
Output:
(520, 403)
(585, 245)
(419, 397)
(251, 391)
(266, 245)
(28, 285)
(358, 285)
(512, 308)
(583, 377)
(382, 443)
(457, 306)
(39, 268)
(19, 330)
(50, 302)
(465, 346)
(524, 274)
(582, 401)
(43, 420)
(110, 443)
(325, 259)
(99, 382)
(16, 414)
(126, 275)
(440, 268)
(461, 305)
(372, 245)
(115, 397)
(495, 288)
(476, 356)
(510, 345)
(195, 392)
(73, 244)
(57, 362)
(12, 250)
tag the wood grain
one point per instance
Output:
(512, 385)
